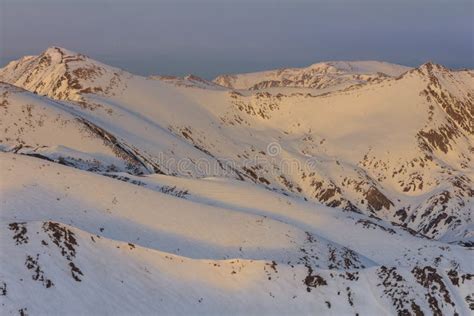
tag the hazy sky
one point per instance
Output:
(209, 37)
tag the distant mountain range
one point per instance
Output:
(321, 75)
(340, 188)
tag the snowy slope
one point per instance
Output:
(76, 246)
(41, 127)
(398, 148)
(346, 191)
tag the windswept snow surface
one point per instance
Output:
(342, 188)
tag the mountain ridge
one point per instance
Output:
(309, 195)
(318, 75)
(439, 135)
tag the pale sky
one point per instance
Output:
(209, 37)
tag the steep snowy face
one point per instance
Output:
(73, 135)
(62, 74)
(399, 149)
(317, 76)
(41, 127)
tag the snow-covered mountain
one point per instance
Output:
(61, 74)
(336, 74)
(341, 188)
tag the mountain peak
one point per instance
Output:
(58, 52)
(431, 70)
(61, 74)
(428, 69)
(430, 65)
